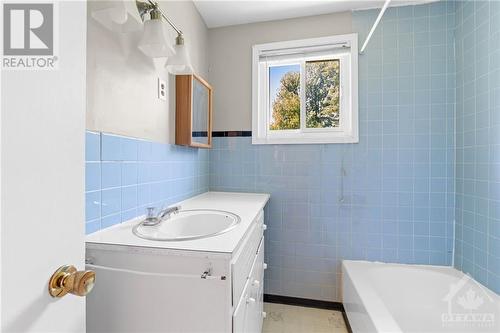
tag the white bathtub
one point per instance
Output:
(382, 297)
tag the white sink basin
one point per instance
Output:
(189, 224)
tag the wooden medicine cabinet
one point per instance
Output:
(193, 112)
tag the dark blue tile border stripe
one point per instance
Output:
(199, 134)
(219, 134)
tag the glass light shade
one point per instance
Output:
(118, 14)
(121, 15)
(153, 42)
(180, 62)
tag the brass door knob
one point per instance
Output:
(67, 279)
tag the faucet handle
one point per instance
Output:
(150, 212)
(151, 218)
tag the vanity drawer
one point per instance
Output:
(257, 273)
(244, 258)
(248, 315)
(257, 282)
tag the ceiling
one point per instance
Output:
(225, 13)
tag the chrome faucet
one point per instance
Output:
(152, 219)
(167, 212)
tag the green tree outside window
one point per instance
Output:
(322, 97)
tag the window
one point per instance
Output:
(305, 91)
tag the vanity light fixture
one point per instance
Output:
(151, 43)
(180, 62)
(118, 15)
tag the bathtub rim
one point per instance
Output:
(373, 305)
(359, 283)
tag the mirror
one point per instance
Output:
(193, 111)
(201, 101)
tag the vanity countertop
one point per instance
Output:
(246, 205)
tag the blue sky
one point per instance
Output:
(275, 75)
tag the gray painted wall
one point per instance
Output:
(230, 60)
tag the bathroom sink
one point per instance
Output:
(188, 225)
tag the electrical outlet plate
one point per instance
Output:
(162, 89)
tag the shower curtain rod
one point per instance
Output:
(379, 17)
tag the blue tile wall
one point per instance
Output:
(388, 198)
(124, 176)
(477, 245)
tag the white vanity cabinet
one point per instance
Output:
(148, 289)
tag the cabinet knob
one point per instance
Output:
(264, 227)
(250, 300)
(264, 314)
(264, 266)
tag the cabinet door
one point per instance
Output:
(138, 301)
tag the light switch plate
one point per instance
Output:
(162, 89)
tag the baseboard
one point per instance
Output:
(310, 303)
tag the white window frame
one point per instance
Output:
(348, 132)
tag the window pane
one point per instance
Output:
(323, 93)
(284, 86)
